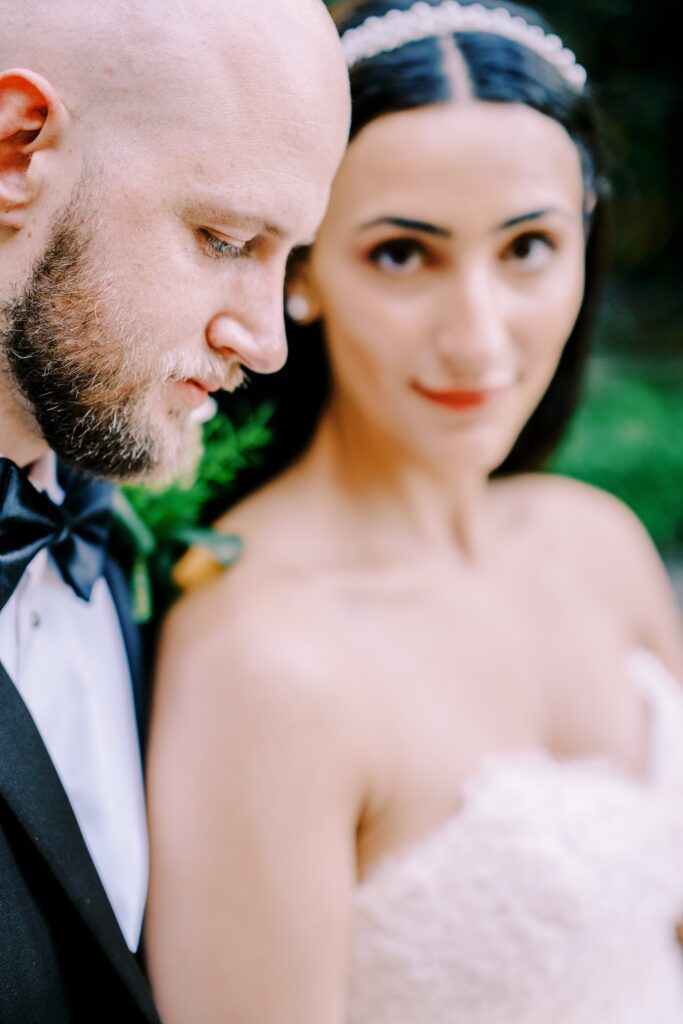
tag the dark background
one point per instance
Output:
(628, 434)
(633, 55)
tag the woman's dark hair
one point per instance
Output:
(415, 75)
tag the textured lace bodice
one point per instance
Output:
(551, 898)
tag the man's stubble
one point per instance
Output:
(83, 375)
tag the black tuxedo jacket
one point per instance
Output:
(63, 959)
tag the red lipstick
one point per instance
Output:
(461, 398)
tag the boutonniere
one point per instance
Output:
(160, 524)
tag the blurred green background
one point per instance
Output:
(628, 433)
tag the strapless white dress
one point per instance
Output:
(553, 896)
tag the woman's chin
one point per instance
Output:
(477, 454)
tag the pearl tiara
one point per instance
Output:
(422, 21)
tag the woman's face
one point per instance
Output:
(448, 272)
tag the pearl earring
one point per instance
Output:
(298, 307)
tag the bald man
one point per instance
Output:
(159, 159)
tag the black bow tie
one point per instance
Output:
(75, 532)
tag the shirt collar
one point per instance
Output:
(43, 475)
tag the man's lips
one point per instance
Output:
(202, 385)
(194, 393)
(463, 398)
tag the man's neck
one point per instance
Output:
(19, 441)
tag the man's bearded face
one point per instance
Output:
(100, 393)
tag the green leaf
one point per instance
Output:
(162, 522)
(627, 438)
(143, 538)
(225, 548)
(141, 592)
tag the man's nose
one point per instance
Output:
(254, 333)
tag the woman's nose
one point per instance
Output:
(473, 328)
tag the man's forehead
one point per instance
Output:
(259, 76)
(90, 51)
(247, 97)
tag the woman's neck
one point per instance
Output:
(395, 502)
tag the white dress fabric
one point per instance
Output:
(552, 897)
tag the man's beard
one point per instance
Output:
(86, 376)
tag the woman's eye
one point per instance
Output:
(220, 247)
(531, 250)
(402, 256)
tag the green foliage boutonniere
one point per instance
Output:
(160, 524)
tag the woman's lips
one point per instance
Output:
(463, 398)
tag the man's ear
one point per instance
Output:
(32, 120)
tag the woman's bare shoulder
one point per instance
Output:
(574, 509)
(252, 671)
(602, 539)
(584, 523)
(276, 525)
(254, 611)
(258, 645)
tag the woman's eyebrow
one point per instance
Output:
(409, 225)
(532, 215)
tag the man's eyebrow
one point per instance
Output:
(217, 214)
(408, 224)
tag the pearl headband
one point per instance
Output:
(422, 21)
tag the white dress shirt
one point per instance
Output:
(68, 661)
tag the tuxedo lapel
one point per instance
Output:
(120, 592)
(30, 787)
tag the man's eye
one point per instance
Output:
(220, 247)
(401, 256)
(532, 249)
